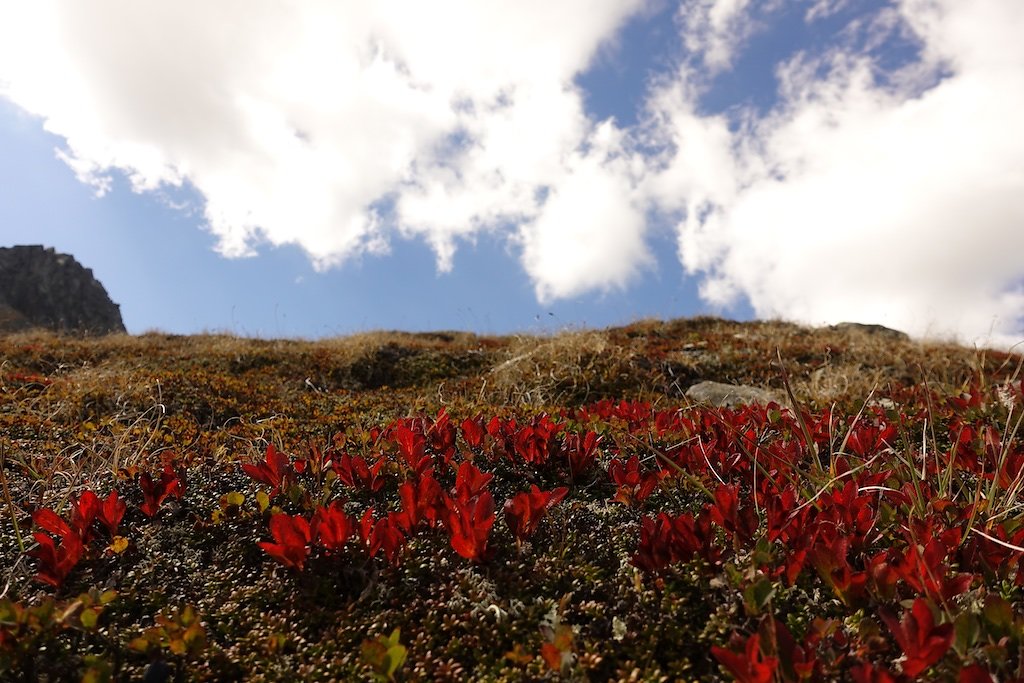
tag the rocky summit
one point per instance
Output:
(40, 288)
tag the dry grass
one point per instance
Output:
(79, 408)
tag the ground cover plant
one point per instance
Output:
(453, 507)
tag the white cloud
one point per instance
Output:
(295, 120)
(714, 29)
(590, 231)
(865, 193)
(857, 199)
(822, 9)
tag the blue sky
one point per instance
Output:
(331, 169)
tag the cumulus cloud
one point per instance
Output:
(590, 233)
(867, 196)
(301, 123)
(874, 189)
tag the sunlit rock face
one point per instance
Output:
(40, 288)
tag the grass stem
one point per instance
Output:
(9, 500)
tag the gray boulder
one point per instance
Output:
(729, 395)
(44, 289)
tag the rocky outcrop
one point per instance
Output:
(877, 330)
(41, 288)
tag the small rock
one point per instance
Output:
(883, 403)
(729, 395)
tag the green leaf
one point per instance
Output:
(757, 595)
(392, 640)
(89, 618)
(233, 498)
(998, 613)
(384, 655)
(8, 612)
(262, 500)
(966, 630)
(394, 659)
(762, 554)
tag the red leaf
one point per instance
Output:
(331, 527)
(155, 493)
(922, 641)
(655, 550)
(975, 673)
(524, 511)
(293, 537)
(355, 473)
(926, 571)
(49, 520)
(633, 485)
(727, 513)
(868, 673)
(273, 471)
(112, 512)
(56, 562)
(470, 482)
(412, 447)
(581, 452)
(552, 656)
(420, 501)
(469, 522)
(532, 442)
(83, 514)
(473, 433)
(751, 666)
(387, 536)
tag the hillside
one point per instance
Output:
(366, 506)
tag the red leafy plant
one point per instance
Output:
(421, 501)
(470, 514)
(331, 527)
(353, 471)
(473, 433)
(275, 470)
(750, 666)
(412, 447)
(634, 486)
(666, 540)
(88, 508)
(533, 442)
(154, 493)
(738, 521)
(292, 536)
(580, 452)
(55, 561)
(383, 534)
(922, 640)
(525, 510)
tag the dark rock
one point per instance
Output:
(728, 395)
(879, 330)
(41, 288)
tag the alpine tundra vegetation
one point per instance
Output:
(448, 506)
